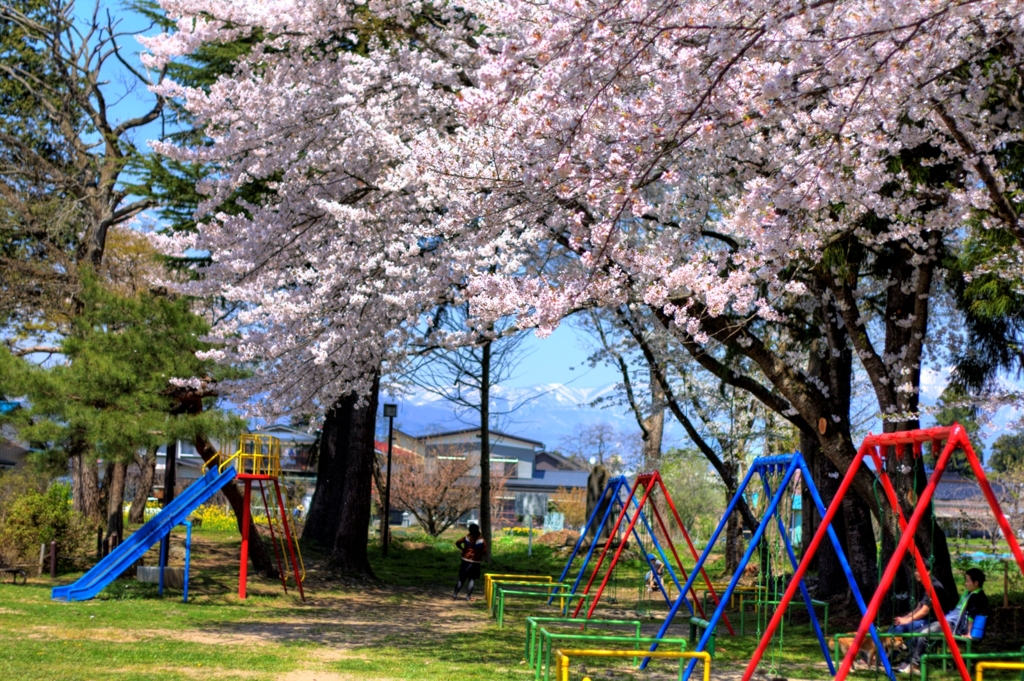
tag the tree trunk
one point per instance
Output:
(597, 499)
(91, 497)
(350, 542)
(485, 447)
(77, 483)
(144, 487)
(115, 500)
(380, 484)
(831, 580)
(339, 514)
(654, 426)
(733, 542)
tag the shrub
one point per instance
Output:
(36, 518)
(219, 519)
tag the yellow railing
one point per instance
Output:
(256, 455)
(982, 666)
(562, 659)
(490, 578)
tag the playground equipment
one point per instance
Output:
(612, 500)
(136, 545)
(549, 639)
(781, 470)
(258, 458)
(562, 658)
(491, 578)
(533, 625)
(502, 595)
(877, 449)
(982, 666)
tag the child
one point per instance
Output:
(473, 549)
(659, 568)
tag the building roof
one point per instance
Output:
(548, 481)
(288, 434)
(952, 488)
(494, 433)
(565, 463)
(563, 478)
(382, 447)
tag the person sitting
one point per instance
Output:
(917, 619)
(973, 603)
(659, 569)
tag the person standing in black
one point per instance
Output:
(473, 549)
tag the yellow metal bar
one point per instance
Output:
(489, 579)
(982, 666)
(562, 658)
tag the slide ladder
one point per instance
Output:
(136, 545)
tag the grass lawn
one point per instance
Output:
(403, 627)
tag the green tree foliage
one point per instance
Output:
(1007, 453)
(698, 493)
(955, 407)
(113, 391)
(39, 517)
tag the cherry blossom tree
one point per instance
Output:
(763, 178)
(777, 181)
(322, 252)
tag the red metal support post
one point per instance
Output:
(607, 545)
(273, 539)
(923, 506)
(693, 552)
(922, 567)
(622, 545)
(243, 568)
(288, 539)
(679, 562)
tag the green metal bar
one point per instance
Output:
(698, 623)
(758, 604)
(532, 625)
(925, 659)
(502, 593)
(548, 637)
(496, 582)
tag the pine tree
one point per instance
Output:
(114, 390)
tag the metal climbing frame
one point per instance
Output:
(650, 482)
(765, 467)
(259, 458)
(876, 447)
(613, 494)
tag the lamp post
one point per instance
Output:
(390, 412)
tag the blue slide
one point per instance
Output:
(133, 548)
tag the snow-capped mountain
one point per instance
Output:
(548, 413)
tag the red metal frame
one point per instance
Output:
(243, 569)
(649, 481)
(954, 437)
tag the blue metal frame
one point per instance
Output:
(614, 488)
(766, 466)
(188, 558)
